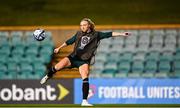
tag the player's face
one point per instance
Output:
(84, 25)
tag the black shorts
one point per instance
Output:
(76, 62)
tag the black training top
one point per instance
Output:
(102, 35)
(86, 43)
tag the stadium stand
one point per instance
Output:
(22, 57)
(148, 53)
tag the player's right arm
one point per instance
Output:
(68, 42)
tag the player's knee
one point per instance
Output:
(58, 67)
(63, 63)
(84, 75)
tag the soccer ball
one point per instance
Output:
(39, 34)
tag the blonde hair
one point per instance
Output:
(90, 22)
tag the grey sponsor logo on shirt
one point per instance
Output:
(84, 41)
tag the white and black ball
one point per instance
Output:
(39, 34)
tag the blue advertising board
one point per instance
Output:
(130, 91)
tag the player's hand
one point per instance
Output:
(126, 34)
(56, 50)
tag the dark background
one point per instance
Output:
(103, 12)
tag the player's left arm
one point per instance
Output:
(114, 34)
(104, 35)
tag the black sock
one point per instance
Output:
(51, 71)
(85, 88)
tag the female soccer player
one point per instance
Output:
(86, 42)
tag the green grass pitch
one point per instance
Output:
(95, 106)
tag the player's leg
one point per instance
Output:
(84, 71)
(65, 62)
